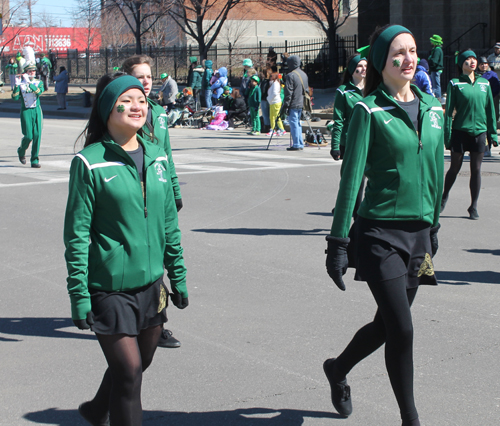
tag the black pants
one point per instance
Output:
(393, 326)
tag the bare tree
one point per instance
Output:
(236, 28)
(162, 32)
(140, 15)
(88, 16)
(329, 15)
(202, 19)
(14, 13)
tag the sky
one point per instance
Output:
(60, 10)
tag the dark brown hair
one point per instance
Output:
(373, 77)
(236, 94)
(129, 63)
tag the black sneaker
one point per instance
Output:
(86, 412)
(341, 392)
(473, 214)
(167, 340)
(36, 165)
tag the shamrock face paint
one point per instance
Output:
(120, 108)
(396, 63)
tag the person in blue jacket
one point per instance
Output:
(217, 88)
(422, 79)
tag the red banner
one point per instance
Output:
(42, 39)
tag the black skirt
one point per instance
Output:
(129, 312)
(383, 249)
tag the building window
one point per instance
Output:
(281, 33)
(269, 33)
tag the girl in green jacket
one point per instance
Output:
(469, 122)
(121, 231)
(395, 138)
(348, 94)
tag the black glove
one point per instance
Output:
(84, 324)
(179, 301)
(434, 239)
(336, 259)
(178, 203)
(335, 153)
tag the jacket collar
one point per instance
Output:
(352, 86)
(418, 93)
(151, 151)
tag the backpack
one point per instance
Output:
(45, 69)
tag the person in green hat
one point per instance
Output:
(248, 72)
(395, 139)
(436, 64)
(12, 70)
(254, 96)
(205, 83)
(168, 91)
(195, 77)
(121, 234)
(469, 122)
(45, 69)
(29, 90)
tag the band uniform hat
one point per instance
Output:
(29, 66)
(437, 40)
(163, 75)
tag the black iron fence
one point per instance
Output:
(322, 62)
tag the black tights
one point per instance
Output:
(457, 158)
(120, 390)
(393, 326)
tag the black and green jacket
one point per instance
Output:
(159, 120)
(345, 99)
(404, 165)
(475, 111)
(436, 59)
(117, 237)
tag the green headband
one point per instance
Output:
(463, 56)
(113, 91)
(353, 63)
(380, 49)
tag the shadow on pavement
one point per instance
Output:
(41, 327)
(467, 278)
(244, 417)
(484, 251)
(321, 213)
(260, 231)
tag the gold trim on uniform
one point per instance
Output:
(163, 299)
(426, 268)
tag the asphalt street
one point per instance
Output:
(263, 314)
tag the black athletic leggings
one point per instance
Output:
(120, 390)
(457, 158)
(393, 326)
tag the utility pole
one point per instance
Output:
(29, 12)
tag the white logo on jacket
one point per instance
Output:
(162, 122)
(483, 87)
(434, 117)
(159, 171)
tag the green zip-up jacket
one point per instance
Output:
(254, 96)
(435, 59)
(117, 239)
(404, 165)
(160, 130)
(345, 99)
(475, 111)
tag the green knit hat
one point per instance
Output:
(353, 63)
(380, 49)
(113, 91)
(193, 59)
(164, 75)
(460, 59)
(436, 40)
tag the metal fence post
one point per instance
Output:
(230, 48)
(175, 65)
(87, 65)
